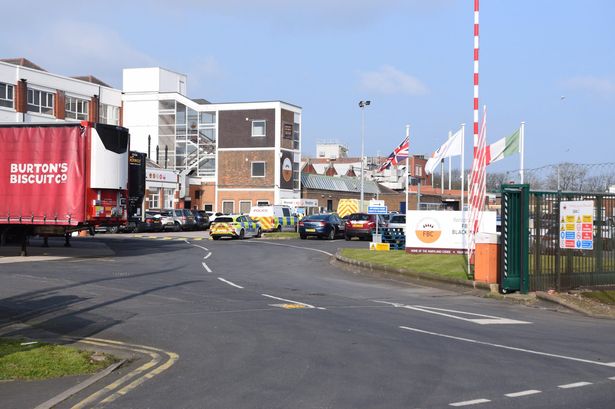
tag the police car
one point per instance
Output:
(234, 226)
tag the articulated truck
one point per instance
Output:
(56, 179)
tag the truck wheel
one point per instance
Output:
(215, 237)
(347, 237)
(303, 236)
(113, 229)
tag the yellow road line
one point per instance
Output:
(151, 351)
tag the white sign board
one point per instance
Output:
(442, 231)
(377, 210)
(576, 227)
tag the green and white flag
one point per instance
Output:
(504, 147)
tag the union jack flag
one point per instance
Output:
(398, 155)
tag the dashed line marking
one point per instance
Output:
(207, 256)
(289, 301)
(469, 402)
(612, 378)
(528, 351)
(522, 393)
(574, 385)
(229, 283)
(206, 267)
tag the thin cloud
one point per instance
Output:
(595, 85)
(390, 80)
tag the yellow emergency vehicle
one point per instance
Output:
(274, 217)
(234, 226)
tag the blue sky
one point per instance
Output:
(412, 59)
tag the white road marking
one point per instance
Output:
(522, 393)
(201, 247)
(469, 402)
(612, 378)
(529, 351)
(485, 320)
(295, 247)
(206, 267)
(229, 283)
(288, 301)
(574, 385)
(207, 256)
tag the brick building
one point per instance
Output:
(230, 156)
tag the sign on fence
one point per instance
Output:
(377, 210)
(576, 227)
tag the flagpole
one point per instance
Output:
(407, 167)
(450, 134)
(522, 150)
(463, 168)
(442, 176)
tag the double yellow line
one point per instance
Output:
(136, 377)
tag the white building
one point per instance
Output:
(331, 150)
(28, 93)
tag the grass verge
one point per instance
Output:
(605, 297)
(20, 359)
(281, 235)
(445, 265)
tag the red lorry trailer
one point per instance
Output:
(56, 179)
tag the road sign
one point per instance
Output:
(377, 210)
(576, 225)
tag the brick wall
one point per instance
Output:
(59, 110)
(235, 128)
(235, 169)
(21, 96)
(236, 197)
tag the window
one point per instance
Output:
(286, 212)
(259, 128)
(418, 170)
(6, 95)
(228, 206)
(169, 195)
(109, 114)
(245, 206)
(208, 207)
(76, 108)
(258, 169)
(329, 205)
(262, 203)
(40, 101)
(153, 199)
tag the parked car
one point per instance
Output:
(321, 225)
(201, 219)
(213, 215)
(397, 221)
(152, 222)
(183, 219)
(362, 225)
(166, 219)
(237, 226)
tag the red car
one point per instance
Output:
(362, 225)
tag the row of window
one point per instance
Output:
(42, 102)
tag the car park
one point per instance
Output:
(362, 225)
(237, 226)
(167, 220)
(329, 226)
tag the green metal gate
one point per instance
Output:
(533, 255)
(515, 237)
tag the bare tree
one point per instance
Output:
(566, 176)
(495, 181)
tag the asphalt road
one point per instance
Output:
(263, 324)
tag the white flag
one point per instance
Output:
(451, 147)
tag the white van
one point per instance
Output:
(274, 217)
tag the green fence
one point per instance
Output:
(554, 267)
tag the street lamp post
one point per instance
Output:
(362, 105)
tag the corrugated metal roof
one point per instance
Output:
(338, 183)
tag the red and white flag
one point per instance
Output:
(478, 184)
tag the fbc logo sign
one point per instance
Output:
(428, 230)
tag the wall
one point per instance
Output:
(252, 196)
(234, 131)
(235, 169)
(141, 119)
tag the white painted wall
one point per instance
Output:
(141, 119)
(153, 79)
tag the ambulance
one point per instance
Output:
(274, 217)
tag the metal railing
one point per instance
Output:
(553, 267)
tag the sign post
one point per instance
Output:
(377, 210)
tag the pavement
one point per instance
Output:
(41, 394)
